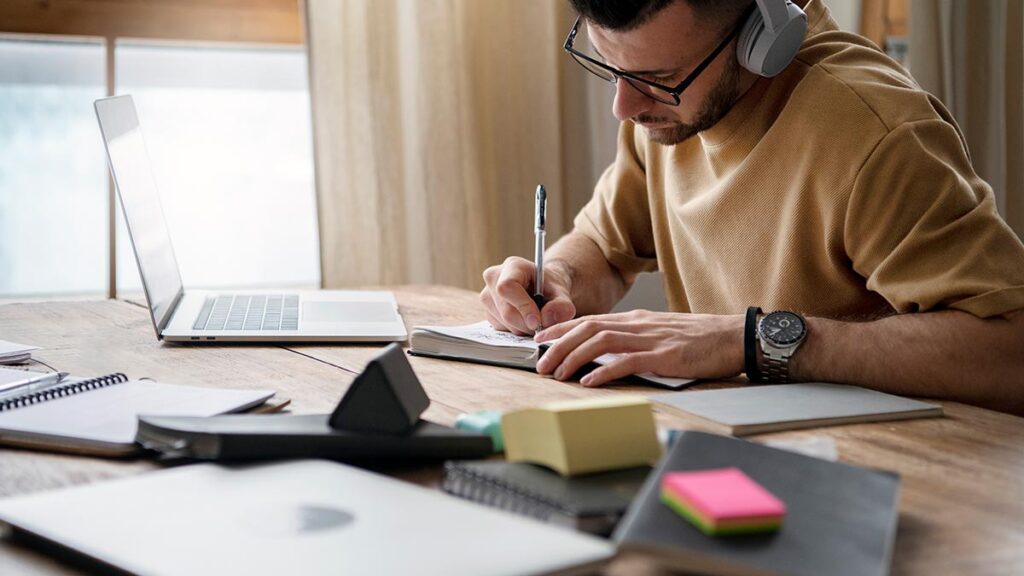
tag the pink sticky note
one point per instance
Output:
(724, 494)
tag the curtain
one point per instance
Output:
(970, 53)
(434, 121)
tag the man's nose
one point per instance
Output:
(629, 102)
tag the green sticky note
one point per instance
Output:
(486, 422)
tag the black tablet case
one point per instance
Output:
(267, 437)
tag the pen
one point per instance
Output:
(33, 384)
(539, 223)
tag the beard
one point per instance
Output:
(715, 106)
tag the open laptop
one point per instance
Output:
(240, 316)
(306, 517)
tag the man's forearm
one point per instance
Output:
(596, 286)
(948, 354)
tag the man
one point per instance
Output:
(837, 189)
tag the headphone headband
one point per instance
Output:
(774, 13)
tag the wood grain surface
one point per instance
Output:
(236, 21)
(962, 499)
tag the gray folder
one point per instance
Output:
(757, 409)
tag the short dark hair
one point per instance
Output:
(619, 14)
(624, 15)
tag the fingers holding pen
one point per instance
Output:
(506, 300)
(516, 306)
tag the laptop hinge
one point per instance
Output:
(162, 325)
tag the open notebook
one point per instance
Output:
(100, 415)
(482, 344)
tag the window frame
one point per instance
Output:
(240, 22)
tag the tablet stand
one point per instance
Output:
(387, 398)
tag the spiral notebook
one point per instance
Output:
(99, 416)
(590, 503)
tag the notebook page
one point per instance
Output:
(110, 414)
(485, 334)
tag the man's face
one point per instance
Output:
(665, 49)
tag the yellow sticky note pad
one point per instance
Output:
(582, 436)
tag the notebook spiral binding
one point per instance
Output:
(467, 484)
(62, 391)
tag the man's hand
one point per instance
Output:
(506, 297)
(667, 344)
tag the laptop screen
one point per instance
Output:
(133, 175)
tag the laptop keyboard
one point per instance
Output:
(231, 312)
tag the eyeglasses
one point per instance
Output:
(653, 90)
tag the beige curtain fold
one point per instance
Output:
(970, 53)
(434, 120)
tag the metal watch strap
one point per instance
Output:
(775, 368)
(780, 333)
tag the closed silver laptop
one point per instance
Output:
(304, 517)
(204, 316)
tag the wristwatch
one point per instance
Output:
(779, 334)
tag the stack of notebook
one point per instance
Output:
(14, 353)
(591, 503)
(99, 416)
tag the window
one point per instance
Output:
(221, 91)
(53, 176)
(230, 138)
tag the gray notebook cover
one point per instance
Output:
(753, 409)
(840, 519)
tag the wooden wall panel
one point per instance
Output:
(243, 21)
(883, 18)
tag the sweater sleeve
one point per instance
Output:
(923, 229)
(618, 216)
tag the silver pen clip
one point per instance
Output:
(541, 216)
(539, 224)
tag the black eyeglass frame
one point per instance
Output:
(631, 78)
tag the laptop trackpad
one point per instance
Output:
(323, 311)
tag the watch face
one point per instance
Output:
(782, 328)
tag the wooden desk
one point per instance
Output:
(962, 505)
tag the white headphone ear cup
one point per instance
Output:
(765, 53)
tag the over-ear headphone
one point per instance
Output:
(771, 37)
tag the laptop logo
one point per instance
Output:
(294, 519)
